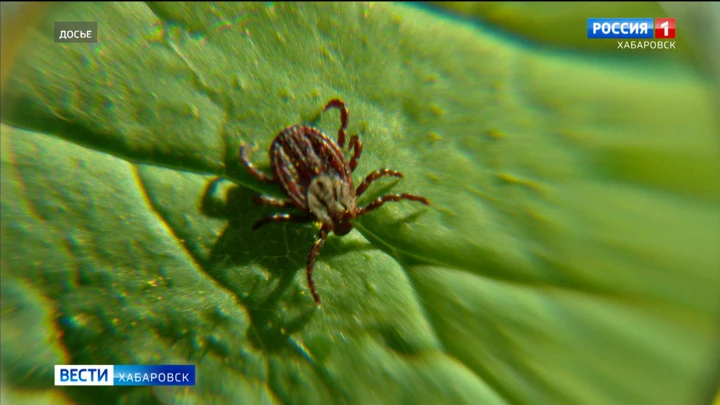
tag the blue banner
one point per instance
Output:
(139, 375)
(620, 28)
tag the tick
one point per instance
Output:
(317, 180)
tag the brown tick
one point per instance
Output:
(315, 175)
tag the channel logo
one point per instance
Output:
(631, 28)
(125, 375)
(665, 28)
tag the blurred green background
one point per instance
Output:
(570, 255)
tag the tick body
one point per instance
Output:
(317, 180)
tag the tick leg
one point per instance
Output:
(252, 169)
(311, 263)
(374, 176)
(281, 218)
(337, 103)
(391, 197)
(355, 146)
(267, 200)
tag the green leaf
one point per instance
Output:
(569, 255)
